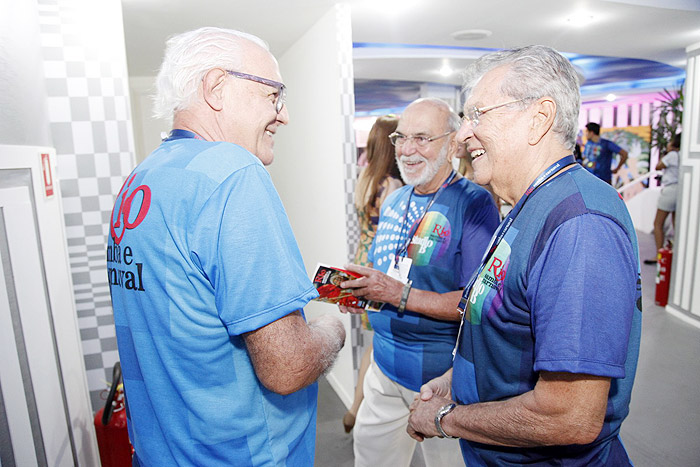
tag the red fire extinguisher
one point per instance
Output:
(110, 426)
(663, 275)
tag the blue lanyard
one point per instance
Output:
(508, 221)
(180, 134)
(404, 248)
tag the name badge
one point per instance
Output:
(399, 270)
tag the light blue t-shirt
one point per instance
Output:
(201, 252)
(446, 248)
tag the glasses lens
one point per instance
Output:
(397, 139)
(281, 99)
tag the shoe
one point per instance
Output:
(649, 261)
(348, 422)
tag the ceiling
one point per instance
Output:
(616, 45)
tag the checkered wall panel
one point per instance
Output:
(90, 120)
(347, 99)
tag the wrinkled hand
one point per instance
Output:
(432, 396)
(374, 285)
(421, 421)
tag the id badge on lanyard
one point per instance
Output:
(399, 270)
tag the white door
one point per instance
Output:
(44, 406)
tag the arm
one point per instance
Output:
(623, 158)
(660, 165)
(379, 287)
(563, 408)
(289, 354)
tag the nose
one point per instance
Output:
(466, 131)
(408, 147)
(283, 116)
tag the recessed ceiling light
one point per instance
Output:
(445, 70)
(610, 97)
(471, 34)
(580, 19)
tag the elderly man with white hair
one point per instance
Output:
(430, 237)
(206, 278)
(547, 354)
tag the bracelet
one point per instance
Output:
(404, 296)
(444, 410)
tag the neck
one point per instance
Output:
(519, 187)
(188, 120)
(434, 185)
(595, 138)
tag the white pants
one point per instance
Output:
(380, 437)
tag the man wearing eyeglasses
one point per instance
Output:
(548, 348)
(430, 238)
(206, 278)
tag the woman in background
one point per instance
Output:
(379, 178)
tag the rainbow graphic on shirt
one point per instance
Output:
(431, 239)
(486, 295)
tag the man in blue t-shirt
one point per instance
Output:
(430, 238)
(547, 354)
(206, 278)
(598, 154)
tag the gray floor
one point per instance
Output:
(663, 428)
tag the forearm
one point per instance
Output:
(290, 354)
(532, 419)
(436, 305)
(623, 159)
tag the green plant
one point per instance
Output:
(670, 112)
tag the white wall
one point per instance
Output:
(311, 170)
(684, 299)
(147, 129)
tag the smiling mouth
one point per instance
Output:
(477, 153)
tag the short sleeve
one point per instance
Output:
(244, 244)
(582, 292)
(614, 147)
(670, 159)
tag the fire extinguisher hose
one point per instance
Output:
(116, 378)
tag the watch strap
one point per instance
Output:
(404, 296)
(444, 410)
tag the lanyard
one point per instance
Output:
(180, 134)
(404, 248)
(503, 228)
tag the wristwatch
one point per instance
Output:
(444, 410)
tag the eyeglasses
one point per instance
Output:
(471, 116)
(281, 96)
(398, 139)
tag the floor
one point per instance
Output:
(663, 427)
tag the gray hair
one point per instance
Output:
(188, 56)
(533, 72)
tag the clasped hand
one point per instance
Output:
(433, 395)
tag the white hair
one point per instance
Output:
(188, 56)
(533, 72)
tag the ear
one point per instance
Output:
(213, 88)
(542, 119)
